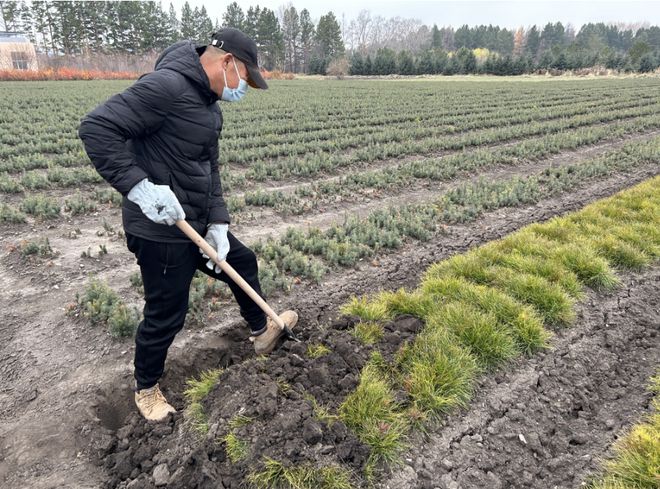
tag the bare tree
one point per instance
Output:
(359, 31)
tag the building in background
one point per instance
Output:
(17, 52)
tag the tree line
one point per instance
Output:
(492, 50)
(293, 41)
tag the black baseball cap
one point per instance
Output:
(234, 41)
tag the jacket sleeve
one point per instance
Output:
(138, 110)
(218, 211)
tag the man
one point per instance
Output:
(157, 144)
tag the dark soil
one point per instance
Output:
(542, 422)
(275, 394)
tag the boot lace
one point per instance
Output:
(152, 398)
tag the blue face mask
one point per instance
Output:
(234, 94)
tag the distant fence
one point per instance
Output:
(98, 67)
(120, 62)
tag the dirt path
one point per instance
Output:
(53, 368)
(549, 421)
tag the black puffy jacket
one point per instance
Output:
(164, 127)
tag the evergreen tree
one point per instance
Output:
(163, 34)
(451, 66)
(172, 30)
(647, 63)
(466, 61)
(93, 25)
(546, 60)
(307, 35)
(462, 37)
(405, 63)
(188, 28)
(69, 27)
(10, 15)
(440, 61)
(317, 65)
(270, 38)
(639, 49)
(204, 26)
(44, 23)
(291, 38)
(532, 42)
(25, 22)
(560, 62)
(368, 66)
(234, 16)
(40, 25)
(251, 25)
(329, 43)
(356, 65)
(384, 62)
(436, 37)
(130, 18)
(426, 65)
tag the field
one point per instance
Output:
(403, 220)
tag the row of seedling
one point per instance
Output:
(365, 183)
(298, 251)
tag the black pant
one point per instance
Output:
(167, 272)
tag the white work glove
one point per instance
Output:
(217, 237)
(157, 202)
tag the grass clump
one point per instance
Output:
(636, 463)
(101, 305)
(239, 420)
(107, 196)
(135, 280)
(8, 185)
(403, 302)
(479, 332)
(276, 475)
(236, 448)
(368, 332)
(195, 393)
(373, 414)
(34, 180)
(524, 323)
(548, 298)
(40, 206)
(11, 215)
(199, 388)
(321, 412)
(39, 247)
(79, 205)
(365, 309)
(438, 372)
(317, 351)
(196, 418)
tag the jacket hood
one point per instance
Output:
(183, 57)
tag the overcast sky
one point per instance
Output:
(456, 13)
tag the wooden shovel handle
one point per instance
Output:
(229, 270)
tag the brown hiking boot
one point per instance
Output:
(266, 342)
(152, 404)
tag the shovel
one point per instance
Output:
(233, 274)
